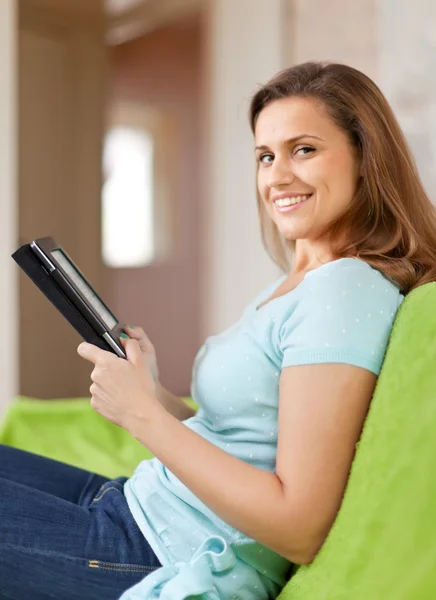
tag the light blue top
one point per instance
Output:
(342, 312)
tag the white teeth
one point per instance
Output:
(290, 201)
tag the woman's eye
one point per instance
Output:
(304, 150)
(266, 159)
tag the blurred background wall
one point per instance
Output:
(61, 86)
(164, 70)
(173, 78)
(9, 313)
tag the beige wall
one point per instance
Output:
(337, 30)
(245, 48)
(406, 72)
(163, 70)
(61, 104)
(8, 205)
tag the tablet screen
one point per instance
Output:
(107, 318)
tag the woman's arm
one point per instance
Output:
(321, 413)
(173, 404)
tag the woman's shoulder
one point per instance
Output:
(344, 313)
(349, 288)
(351, 275)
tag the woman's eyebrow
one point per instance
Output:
(293, 140)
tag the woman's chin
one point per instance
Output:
(292, 234)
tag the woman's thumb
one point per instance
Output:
(133, 351)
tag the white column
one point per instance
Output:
(8, 206)
(245, 49)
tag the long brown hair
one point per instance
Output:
(391, 223)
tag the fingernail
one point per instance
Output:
(124, 335)
(131, 326)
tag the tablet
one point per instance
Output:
(50, 267)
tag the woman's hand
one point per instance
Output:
(172, 404)
(147, 348)
(123, 391)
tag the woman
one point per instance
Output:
(254, 480)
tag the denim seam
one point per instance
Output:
(85, 488)
(97, 498)
(42, 552)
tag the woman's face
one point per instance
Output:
(307, 170)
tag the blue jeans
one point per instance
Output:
(65, 533)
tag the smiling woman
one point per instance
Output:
(340, 142)
(254, 480)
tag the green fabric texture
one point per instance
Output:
(72, 432)
(383, 543)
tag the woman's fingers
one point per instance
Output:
(139, 334)
(146, 348)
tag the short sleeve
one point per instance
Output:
(343, 315)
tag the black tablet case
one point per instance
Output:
(28, 262)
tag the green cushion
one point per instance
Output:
(72, 432)
(383, 543)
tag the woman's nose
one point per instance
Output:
(280, 174)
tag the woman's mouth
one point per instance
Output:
(283, 205)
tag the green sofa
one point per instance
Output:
(383, 543)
